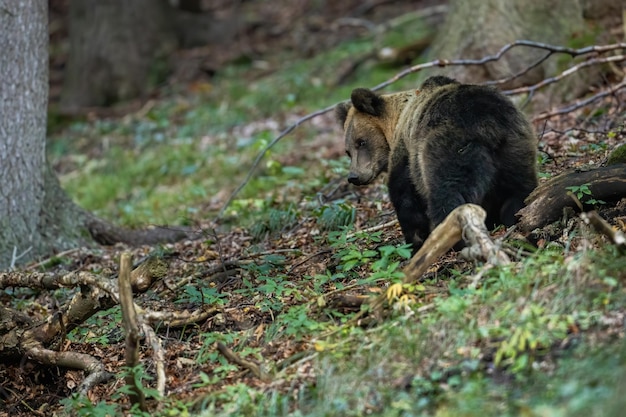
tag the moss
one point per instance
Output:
(618, 155)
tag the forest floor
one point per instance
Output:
(297, 255)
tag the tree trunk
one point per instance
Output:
(476, 28)
(118, 49)
(36, 215)
(23, 101)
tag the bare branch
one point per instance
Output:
(244, 363)
(582, 103)
(567, 72)
(269, 146)
(180, 318)
(131, 327)
(553, 49)
(88, 363)
(617, 237)
(157, 354)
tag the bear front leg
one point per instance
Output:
(409, 206)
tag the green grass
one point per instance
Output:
(165, 165)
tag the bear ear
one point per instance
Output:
(437, 81)
(341, 112)
(367, 101)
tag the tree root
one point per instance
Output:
(21, 337)
(106, 233)
(547, 202)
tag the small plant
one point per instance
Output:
(583, 193)
(335, 216)
(277, 221)
(296, 321)
(81, 405)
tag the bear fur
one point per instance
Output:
(443, 145)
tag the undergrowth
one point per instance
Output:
(522, 342)
(527, 339)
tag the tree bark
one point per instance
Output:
(36, 215)
(546, 203)
(23, 101)
(476, 28)
(117, 50)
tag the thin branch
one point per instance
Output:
(373, 228)
(581, 103)
(266, 149)
(157, 354)
(180, 318)
(244, 363)
(567, 72)
(617, 237)
(553, 49)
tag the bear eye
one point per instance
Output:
(360, 143)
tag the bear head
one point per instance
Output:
(366, 144)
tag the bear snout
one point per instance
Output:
(354, 179)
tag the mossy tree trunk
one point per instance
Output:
(118, 48)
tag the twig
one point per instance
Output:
(269, 146)
(567, 72)
(157, 354)
(179, 318)
(15, 257)
(373, 228)
(45, 261)
(553, 49)
(308, 258)
(251, 366)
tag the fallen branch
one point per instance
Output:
(251, 366)
(617, 237)
(546, 203)
(158, 356)
(467, 223)
(20, 336)
(180, 318)
(131, 327)
(582, 103)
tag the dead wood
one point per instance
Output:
(21, 336)
(244, 363)
(467, 223)
(547, 202)
(348, 301)
(106, 233)
(131, 327)
(617, 237)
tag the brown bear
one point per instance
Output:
(443, 145)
